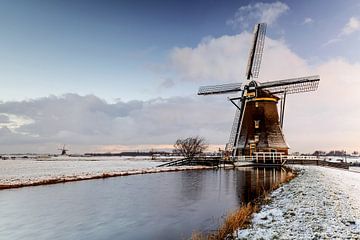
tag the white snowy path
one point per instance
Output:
(17, 172)
(321, 203)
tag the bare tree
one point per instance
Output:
(191, 146)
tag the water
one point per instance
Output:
(154, 206)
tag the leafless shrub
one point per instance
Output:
(191, 146)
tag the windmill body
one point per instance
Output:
(261, 130)
(63, 150)
(259, 117)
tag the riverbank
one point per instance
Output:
(240, 218)
(148, 206)
(321, 203)
(23, 173)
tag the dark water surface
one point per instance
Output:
(152, 206)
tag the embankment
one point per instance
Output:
(89, 176)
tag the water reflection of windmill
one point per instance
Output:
(257, 127)
(63, 150)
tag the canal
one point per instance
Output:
(168, 205)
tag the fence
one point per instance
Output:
(264, 157)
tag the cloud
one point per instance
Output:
(224, 59)
(328, 118)
(332, 41)
(14, 123)
(351, 26)
(147, 147)
(308, 20)
(247, 15)
(215, 59)
(88, 123)
(167, 83)
(324, 119)
(4, 119)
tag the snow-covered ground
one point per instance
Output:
(25, 171)
(355, 169)
(348, 159)
(321, 203)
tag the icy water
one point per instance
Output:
(154, 206)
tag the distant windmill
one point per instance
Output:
(257, 126)
(63, 150)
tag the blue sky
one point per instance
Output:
(155, 54)
(113, 48)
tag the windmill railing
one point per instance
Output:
(277, 158)
(305, 157)
(263, 157)
(260, 157)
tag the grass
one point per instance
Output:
(241, 218)
(234, 221)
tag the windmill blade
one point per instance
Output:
(235, 129)
(256, 51)
(220, 89)
(291, 86)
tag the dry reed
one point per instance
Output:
(242, 216)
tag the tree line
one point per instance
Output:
(339, 153)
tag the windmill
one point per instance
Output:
(63, 150)
(257, 126)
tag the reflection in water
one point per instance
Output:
(154, 206)
(191, 185)
(251, 183)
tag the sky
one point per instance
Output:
(123, 75)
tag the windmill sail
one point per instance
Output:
(63, 150)
(293, 85)
(220, 89)
(234, 135)
(234, 129)
(257, 127)
(256, 51)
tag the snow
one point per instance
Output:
(30, 171)
(355, 169)
(321, 203)
(349, 159)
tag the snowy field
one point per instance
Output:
(26, 171)
(355, 169)
(321, 203)
(349, 159)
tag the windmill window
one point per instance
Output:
(257, 123)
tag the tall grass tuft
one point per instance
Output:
(234, 221)
(242, 216)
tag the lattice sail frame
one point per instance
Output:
(279, 87)
(291, 86)
(220, 89)
(234, 128)
(256, 51)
